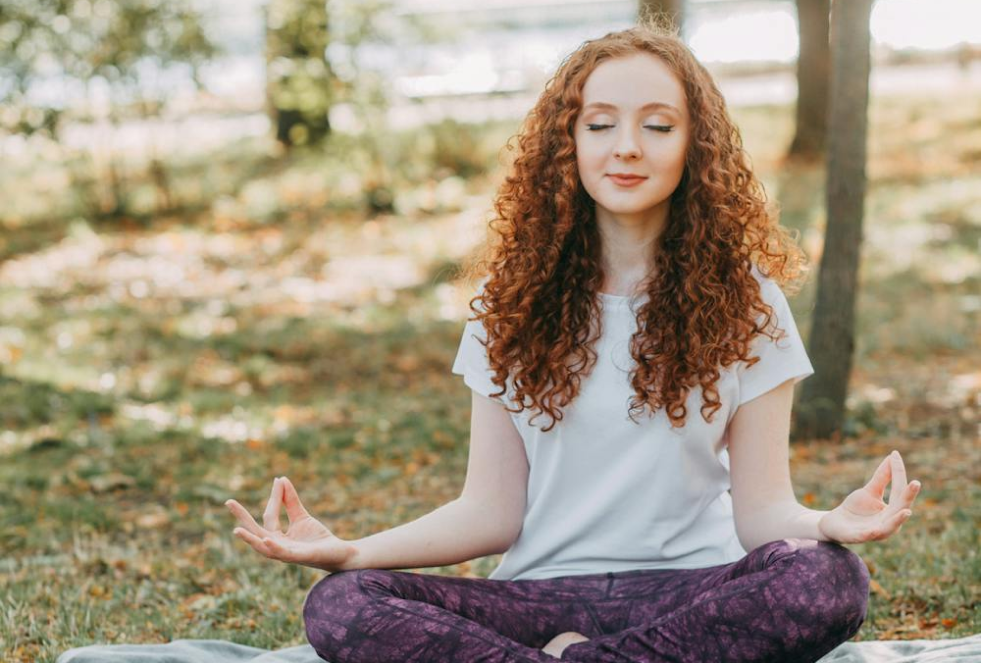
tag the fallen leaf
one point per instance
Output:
(153, 519)
(878, 589)
(104, 483)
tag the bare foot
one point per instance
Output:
(558, 644)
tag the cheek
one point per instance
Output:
(680, 153)
(590, 164)
(678, 163)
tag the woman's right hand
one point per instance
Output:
(306, 541)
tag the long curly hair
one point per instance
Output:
(541, 262)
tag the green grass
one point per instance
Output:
(175, 366)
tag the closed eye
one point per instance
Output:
(655, 127)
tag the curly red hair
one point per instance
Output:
(542, 267)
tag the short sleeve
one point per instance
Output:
(780, 360)
(471, 360)
(471, 357)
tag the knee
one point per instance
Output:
(328, 608)
(841, 582)
(335, 601)
(854, 577)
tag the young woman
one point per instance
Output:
(632, 361)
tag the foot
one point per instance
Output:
(561, 641)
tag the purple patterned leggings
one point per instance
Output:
(791, 600)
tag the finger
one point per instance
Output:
(890, 525)
(912, 490)
(257, 543)
(897, 520)
(278, 550)
(898, 488)
(294, 508)
(245, 518)
(270, 518)
(880, 478)
(905, 499)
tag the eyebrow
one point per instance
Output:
(653, 104)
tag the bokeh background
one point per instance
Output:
(229, 241)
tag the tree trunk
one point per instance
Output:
(674, 10)
(813, 78)
(298, 79)
(821, 409)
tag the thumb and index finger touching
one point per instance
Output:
(294, 508)
(880, 478)
(283, 494)
(890, 469)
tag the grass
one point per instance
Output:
(149, 373)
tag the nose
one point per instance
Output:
(627, 146)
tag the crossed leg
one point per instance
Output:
(789, 600)
(374, 616)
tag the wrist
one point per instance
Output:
(354, 561)
(809, 521)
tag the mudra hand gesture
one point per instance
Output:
(306, 541)
(863, 516)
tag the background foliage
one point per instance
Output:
(178, 326)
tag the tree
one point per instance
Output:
(813, 77)
(78, 42)
(672, 9)
(299, 80)
(95, 50)
(821, 409)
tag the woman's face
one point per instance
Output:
(634, 121)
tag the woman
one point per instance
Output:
(632, 360)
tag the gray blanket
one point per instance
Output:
(221, 651)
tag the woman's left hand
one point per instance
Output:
(863, 516)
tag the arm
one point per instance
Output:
(764, 504)
(485, 519)
(455, 532)
(763, 499)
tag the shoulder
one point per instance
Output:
(770, 291)
(765, 281)
(477, 296)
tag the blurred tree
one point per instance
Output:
(300, 85)
(99, 60)
(821, 409)
(673, 9)
(365, 90)
(113, 46)
(813, 76)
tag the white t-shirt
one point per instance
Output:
(608, 494)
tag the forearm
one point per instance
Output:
(783, 520)
(455, 532)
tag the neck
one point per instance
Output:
(628, 246)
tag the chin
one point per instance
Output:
(627, 209)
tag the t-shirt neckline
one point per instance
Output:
(621, 299)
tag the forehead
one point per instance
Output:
(631, 81)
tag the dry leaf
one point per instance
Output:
(153, 519)
(878, 589)
(103, 483)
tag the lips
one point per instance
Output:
(626, 180)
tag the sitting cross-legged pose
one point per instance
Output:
(632, 359)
